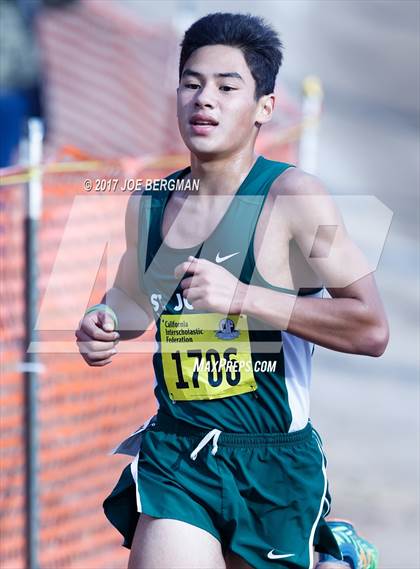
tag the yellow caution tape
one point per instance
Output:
(176, 160)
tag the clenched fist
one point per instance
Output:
(96, 338)
(210, 286)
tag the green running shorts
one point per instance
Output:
(263, 496)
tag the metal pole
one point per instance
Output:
(31, 366)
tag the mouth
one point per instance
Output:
(202, 125)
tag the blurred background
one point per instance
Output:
(102, 76)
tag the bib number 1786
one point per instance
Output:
(214, 366)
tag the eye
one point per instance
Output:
(191, 85)
(227, 88)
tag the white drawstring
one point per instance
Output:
(214, 434)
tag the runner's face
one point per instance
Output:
(227, 101)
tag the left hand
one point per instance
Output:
(211, 287)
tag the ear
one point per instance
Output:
(265, 108)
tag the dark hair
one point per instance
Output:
(259, 43)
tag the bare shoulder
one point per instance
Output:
(302, 201)
(297, 182)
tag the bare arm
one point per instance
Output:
(125, 297)
(354, 320)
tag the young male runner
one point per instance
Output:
(230, 472)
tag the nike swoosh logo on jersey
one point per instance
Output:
(272, 555)
(220, 259)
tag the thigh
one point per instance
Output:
(172, 544)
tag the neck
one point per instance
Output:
(221, 176)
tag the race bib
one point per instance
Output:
(206, 356)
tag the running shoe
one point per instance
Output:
(356, 551)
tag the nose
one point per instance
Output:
(204, 98)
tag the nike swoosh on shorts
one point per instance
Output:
(272, 555)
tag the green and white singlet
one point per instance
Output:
(267, 389)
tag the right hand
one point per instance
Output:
(97, 338)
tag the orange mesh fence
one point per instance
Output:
(11, 387)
